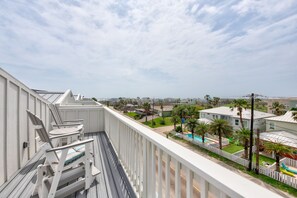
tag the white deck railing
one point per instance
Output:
(15, 128)
(139, 150)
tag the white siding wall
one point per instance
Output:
(15, 129)
(93, 116)
(282, 126)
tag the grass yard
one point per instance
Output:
(263, 159)
(232, 148)
(133, 115)
(158, 122)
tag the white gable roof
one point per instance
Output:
(282, 137)
(246, 113)
(284, 118)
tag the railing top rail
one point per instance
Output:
(231, 183)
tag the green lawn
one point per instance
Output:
(133, 115)
(232, 148)
(263, 159)
(158, 122)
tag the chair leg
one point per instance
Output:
(58, 174)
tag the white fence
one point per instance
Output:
(220, 152)
(291, 181)
(15, 128)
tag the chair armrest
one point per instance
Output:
(70, 145)
(64, 135)
(65, 125)
(78, 120)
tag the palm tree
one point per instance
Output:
(243, 136)
(278, 149)
(162, 107)
(175, 119)
(220, 127)
(147, 108)
(278, 108)
(239, 104)
(216, 101)
(294, 115)
(181, 111)
(202, 129)
(191, 125)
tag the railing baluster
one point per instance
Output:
(160, 164)
(189, 183)
(177, 179)
(167, 176)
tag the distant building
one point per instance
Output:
(233, 117)
(167, 111)
(288, 102)
(282, 123)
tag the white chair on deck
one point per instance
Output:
(67, 169)
(60, 123)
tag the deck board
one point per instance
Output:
(108, 183)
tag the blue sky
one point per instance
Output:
(167, 48)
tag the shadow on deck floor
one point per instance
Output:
(112, 182)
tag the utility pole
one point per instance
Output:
(251, 133)
(153, 114)
(257, 151)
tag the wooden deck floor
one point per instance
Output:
(112, 181)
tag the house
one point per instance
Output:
(167, 110)
(232, 116)
(282, 123)
(288, 102)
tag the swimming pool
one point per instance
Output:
(197, 138)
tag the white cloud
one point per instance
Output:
(152, 47)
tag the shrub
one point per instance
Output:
(178, 129)
(162, 122)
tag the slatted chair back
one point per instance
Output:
(55, 114)
(40, 129)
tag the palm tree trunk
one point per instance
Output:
(174, 125)
(246, 149)
(277, 162)
(192, 134)
(146, 117)
(220, 140)
(203, 138)
(240, 117)
(181, 124)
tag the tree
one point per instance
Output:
(278, 149)
(208, 100)
(243, 136)
(278, 108)
(162, 107)
(175, 119)
(192, 111)
(181, 111)
(239, 104)
(220, 127)
(191, 125)
(202, 129)
(215, 101)
(147, 108)
(294, 115)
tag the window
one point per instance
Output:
(236, 122)
(271, 125)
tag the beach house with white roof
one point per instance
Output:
(232, 116)
(282, 123)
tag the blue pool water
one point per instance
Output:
(196, 137)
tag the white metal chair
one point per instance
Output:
(63, 165)
(60, 123)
